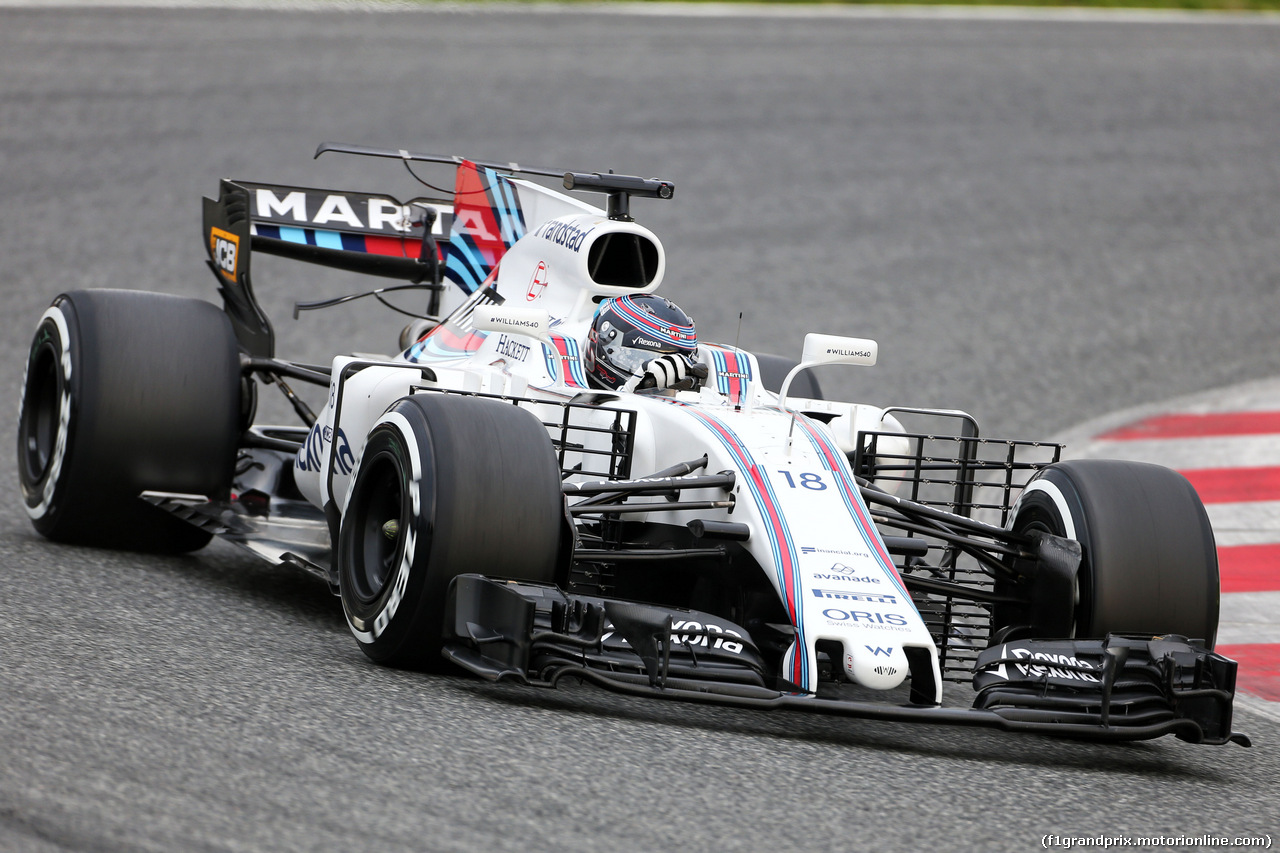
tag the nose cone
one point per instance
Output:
(877, 667)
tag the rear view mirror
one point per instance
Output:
(833, 349)
(830, 349)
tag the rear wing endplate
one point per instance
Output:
(227, 233)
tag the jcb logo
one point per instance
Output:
(224, 247)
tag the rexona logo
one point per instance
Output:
(841, 595)
(1045, 665)
(716, 636)
(705, 636)
(224, 248)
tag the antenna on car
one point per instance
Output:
(619, 188)
(421, 157)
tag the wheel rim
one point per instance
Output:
(377, 548)
(1041, 523)
(38, 431)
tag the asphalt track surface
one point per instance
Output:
(1040, 221)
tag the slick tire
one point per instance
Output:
(446, 485)
(774, 370)
(1149, 562)
(126, 391)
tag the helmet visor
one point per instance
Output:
(629, 360)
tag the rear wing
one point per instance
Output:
(457, 237)
(359, 232)
(354, 231)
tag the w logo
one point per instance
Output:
(876, 650)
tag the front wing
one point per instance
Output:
(1118, 689)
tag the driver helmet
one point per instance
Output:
(630, 331)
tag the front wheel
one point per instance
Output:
(1149, 564)
(446, 485)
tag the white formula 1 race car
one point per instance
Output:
(556, 478)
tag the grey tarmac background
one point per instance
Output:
(1040, 221)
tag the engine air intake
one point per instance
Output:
(623, 260)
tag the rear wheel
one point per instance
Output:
(1149, 564)
(446, 485)
(126, 391)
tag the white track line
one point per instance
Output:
(1255, 705)
(1245, 523)
(1249, 617)
(1186, 454)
